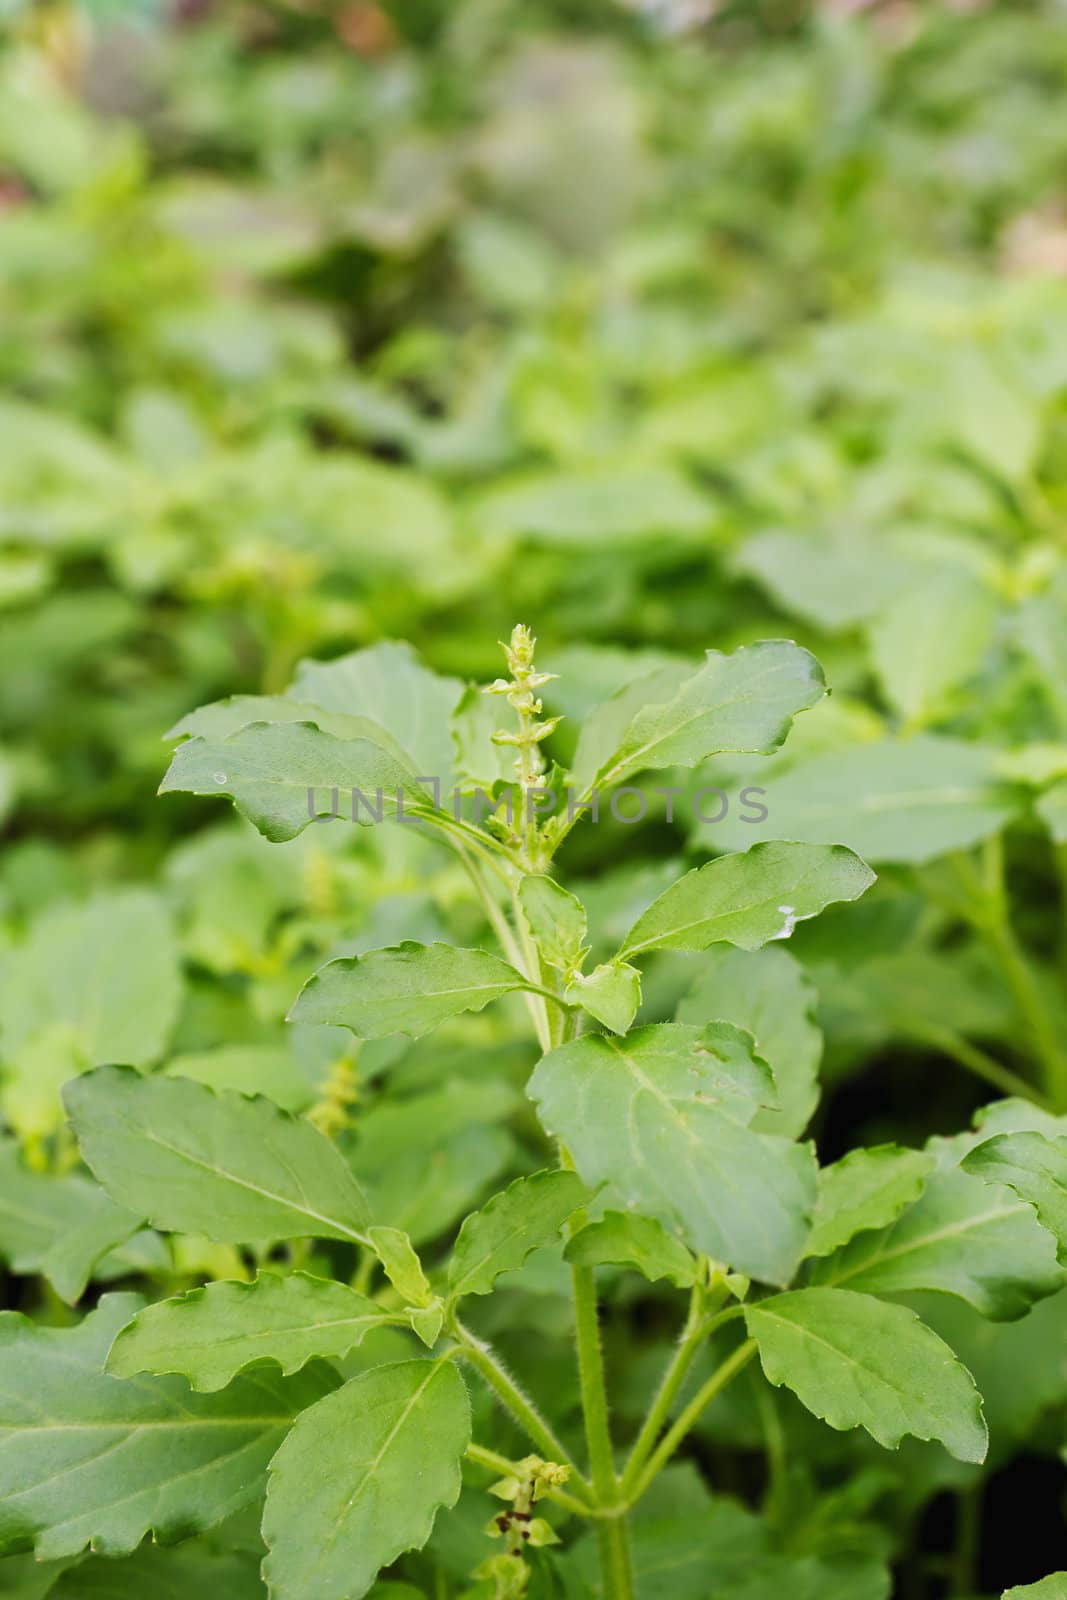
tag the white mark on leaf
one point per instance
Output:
(790, 915)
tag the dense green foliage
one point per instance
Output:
(337, 340)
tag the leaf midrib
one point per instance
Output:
(253, 1188)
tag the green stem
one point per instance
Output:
(987, 910)
(698, 1327)
(703, 1397)
(535, 1002)
(774, 1438)
(675, 1375)
(612, 1534)
(487, 1364)
(1031, 1006)
(964, 1562)
(976, 1060)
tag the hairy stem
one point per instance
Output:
(485, 1362)
(509, 943)
(722, 1375)
(988, 912)
(698, 1326)
(612, 1535)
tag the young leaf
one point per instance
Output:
(1053, 1587)
(661, 1116)
(409, 988)
(738, 702)
(498, 1238)
(622, 1238)
(749, 898)
(556, 919)
(208, 1335)
(962, 1237)
(282, 775)
(426, 1322)
(611, 993)
(860, 1362)
(361, 1477)
(865, 1189)
(767, 993)
(1034, 1168)
(401, 1265)
(90, 1459)
(195, 1161)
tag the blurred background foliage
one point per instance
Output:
(658, 326)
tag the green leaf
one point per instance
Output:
(740, 702)
(476, 759)
(401, 1265)
(208, 1335)
(528, 1214)
(100, 1228)
(963, 1237)
(860, 1362)
(249, 1069)
(388, 684)
(409, 988)
(611, 993)
(195, 1161)
(1053, 1587)
(59, 1225)
(428, 1190)
(767, 993)
(1051, 807)
(1034, 1168)
(361, 1477)
(24, 1578)
(89, 1459)
(222, 718)
(749, 898)
(865, 1189)
(661, 1116)
(557, 921)
(622, 1238)
(191, 1568)
(834, 579)
(808, 1578)
(625, 505)
(275, 773)
(905, 800)
(106, 970)
(426, 1322)
(929, 640)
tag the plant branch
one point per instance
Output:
(612, 1536)
(976, 1060)
(722, 1375)
(693, 1334)
(483, 1359)
(986, 908)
